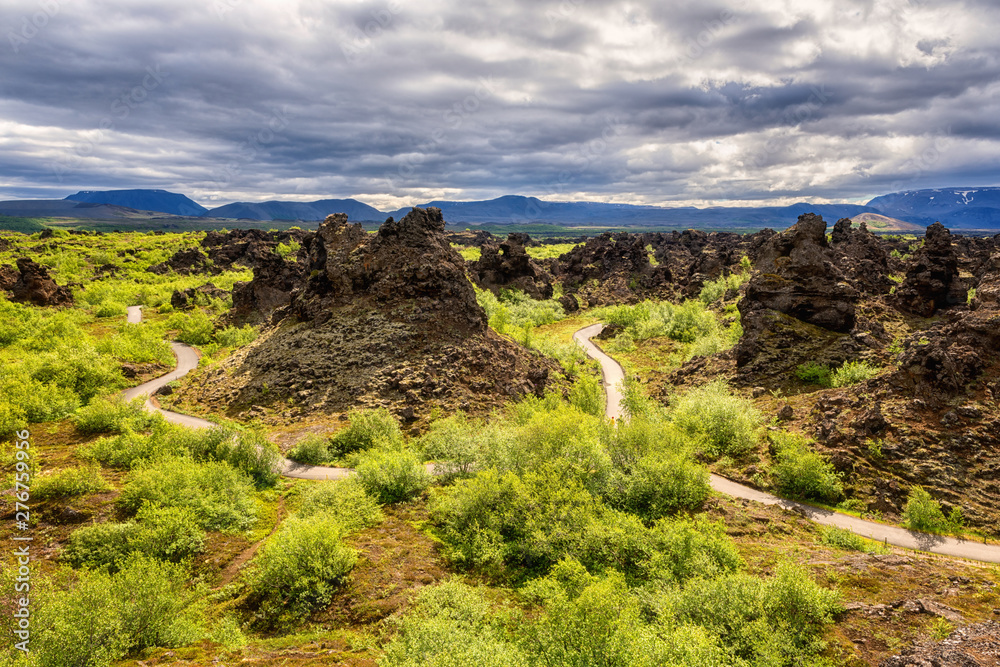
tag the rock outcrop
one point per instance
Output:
(797, 306)
(612, 268)
(931, 276)
(272, 287)
(34, 285)
(862, 258)
(976, 645)
(508, 265)
(8, 278)
(386, 319)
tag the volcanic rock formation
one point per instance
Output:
(34, 285)
(508, 265)
(612, 268)
(930, 276)
(797, 305)
(386, 319)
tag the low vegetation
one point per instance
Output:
(850, 373)
(801, 473)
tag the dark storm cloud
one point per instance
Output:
(399, 103)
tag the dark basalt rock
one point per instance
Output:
(8, 278)
(797, 306)
(930, 275)
(796, 275)
(974, 645)
(274, 282)
(408, 264)
(508, 265)
(386, 319)
(862, 258)
(612, 267)
(34, 285)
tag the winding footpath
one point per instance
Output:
(187, 360)
(900, 537)
(613, 376)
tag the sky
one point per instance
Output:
(751, 102)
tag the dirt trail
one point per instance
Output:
(894, 535)
(187, 360)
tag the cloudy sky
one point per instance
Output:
(397, 103)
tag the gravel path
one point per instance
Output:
(900, 537)
(613, 376)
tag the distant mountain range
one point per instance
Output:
(143, 200)
(958, 208)
(953, 207)
(291, 210)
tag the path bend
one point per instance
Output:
(187, 360)
(894, 535)
(613, 376)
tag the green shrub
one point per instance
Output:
(110, 309)
(664, 483)
(194, 328)
(311, 450)
(220, 497)
(165, 533)
(596, 620)
(727, 424)
(300, 567)
(392, 475)
(235, 337)
(689, 549)
(801, 473)
(12, 419)
(367, 429)
(451, 624)
(246, 450)
(69, 482)
(587, 395)
(346, 500)
(496, 518)
(924, 513)
(777, 621)
(131, 450)
(78, 368)
(115, 415)
(714, 290)
(813, 373)
(453, 444)
(138, 343)
(101, 618)
(842, 538)
(513, 311)
(853, 372)
(555, 434)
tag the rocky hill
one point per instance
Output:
(386, 319)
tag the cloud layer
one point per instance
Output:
(394, 103)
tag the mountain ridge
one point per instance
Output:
(961, 208)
